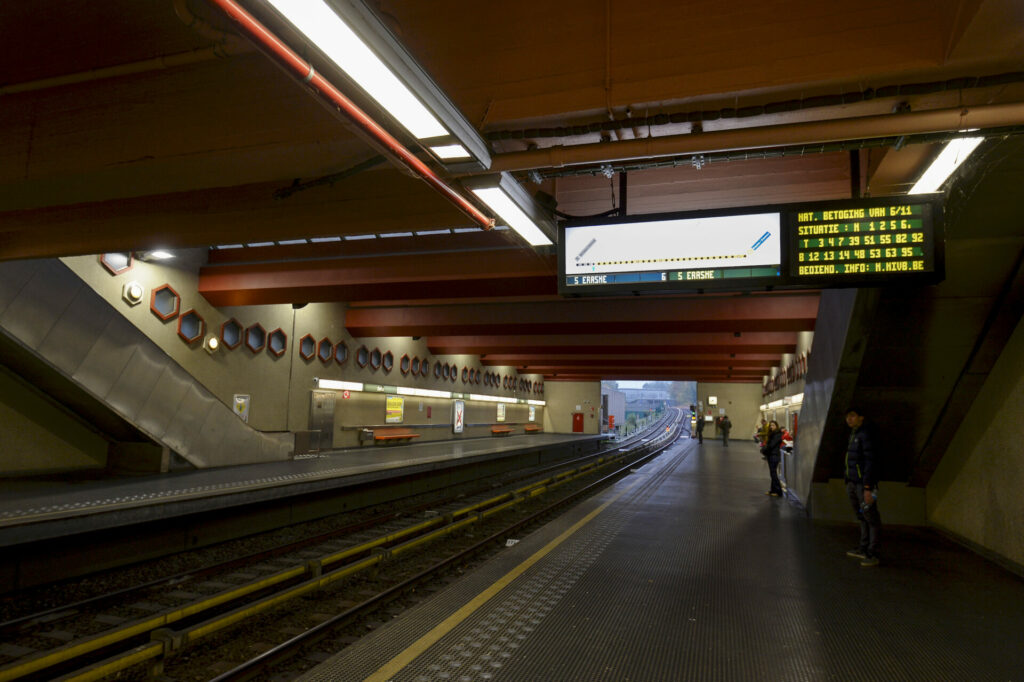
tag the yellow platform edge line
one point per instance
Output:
(396, 664)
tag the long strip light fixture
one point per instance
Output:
(359, 387)
(351, 36)
(302, 70)
(514, 206)
(949, 159)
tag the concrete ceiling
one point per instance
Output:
(131, 125)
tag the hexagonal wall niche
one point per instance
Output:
(116, 263)
(165, 302)
(405, 364)
(307, 347)
(465, 375)
(424, 367)
(341, 353)
(414, 367)
(388, 361)
(255, 337)
(277, 342)
(376, 357)
(454, 373)
(325, 350)
(439, 370)
(191, 326)
(362, 356)
(231, 334)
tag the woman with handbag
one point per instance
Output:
(772, 451)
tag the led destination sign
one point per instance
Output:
(875, 240)
(870, 242)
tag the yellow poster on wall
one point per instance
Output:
(394, 410)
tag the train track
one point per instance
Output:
(182, 626)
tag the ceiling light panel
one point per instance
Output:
(352, 37)
(944, 165)
(514, 207)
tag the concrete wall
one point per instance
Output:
(38, 436)
(564, 397)
(280, 387)
(976, 491)
(741, 403)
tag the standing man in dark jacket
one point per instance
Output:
(700, 429)
(862, 486)
(726, 427)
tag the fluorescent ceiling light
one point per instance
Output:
(231, 246)
(259, 244)
(508, 211)
(333, 36)
(466, 230)
(357, 237)
(536, 402)
(339, 385)
(323, 240)
(423, 392)
(291, 242)
(422, 233)
(450, 151)
(491, 398)
(388, 235)
(955, 153)
(158, 254)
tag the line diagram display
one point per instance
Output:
(685, 244)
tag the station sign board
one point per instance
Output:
(852, 243)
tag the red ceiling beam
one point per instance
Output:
(547, 365)
(519, 272)
(477, 240)
(603, 316)
(700, 378)
(761, 343)
(596, 359)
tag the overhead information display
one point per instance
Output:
(876, 240)
(682, 249)
(870, 242)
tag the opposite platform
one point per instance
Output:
(686, 570)
(40, 508)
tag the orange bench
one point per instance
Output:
(501, 430)
(394, 435)
(533, 428)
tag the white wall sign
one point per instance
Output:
(712, 400)
(533, 413)
(458, 416)
(501, 412)
(241, 404)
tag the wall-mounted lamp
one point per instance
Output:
(132, 292)
(948, 160)
(351, 36)
(211, 344)
(155, 255)
(514, 207)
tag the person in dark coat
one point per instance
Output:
(862, 486)
(700, 429)
(726, 426)
(772, 451)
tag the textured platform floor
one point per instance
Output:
(686, 570)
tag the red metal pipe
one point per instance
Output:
(304, 71)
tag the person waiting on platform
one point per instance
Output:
(726, 426)
(862, 486)
(761, 434)
(700, 429)
(772, 451)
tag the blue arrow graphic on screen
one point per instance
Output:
(762, 240)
